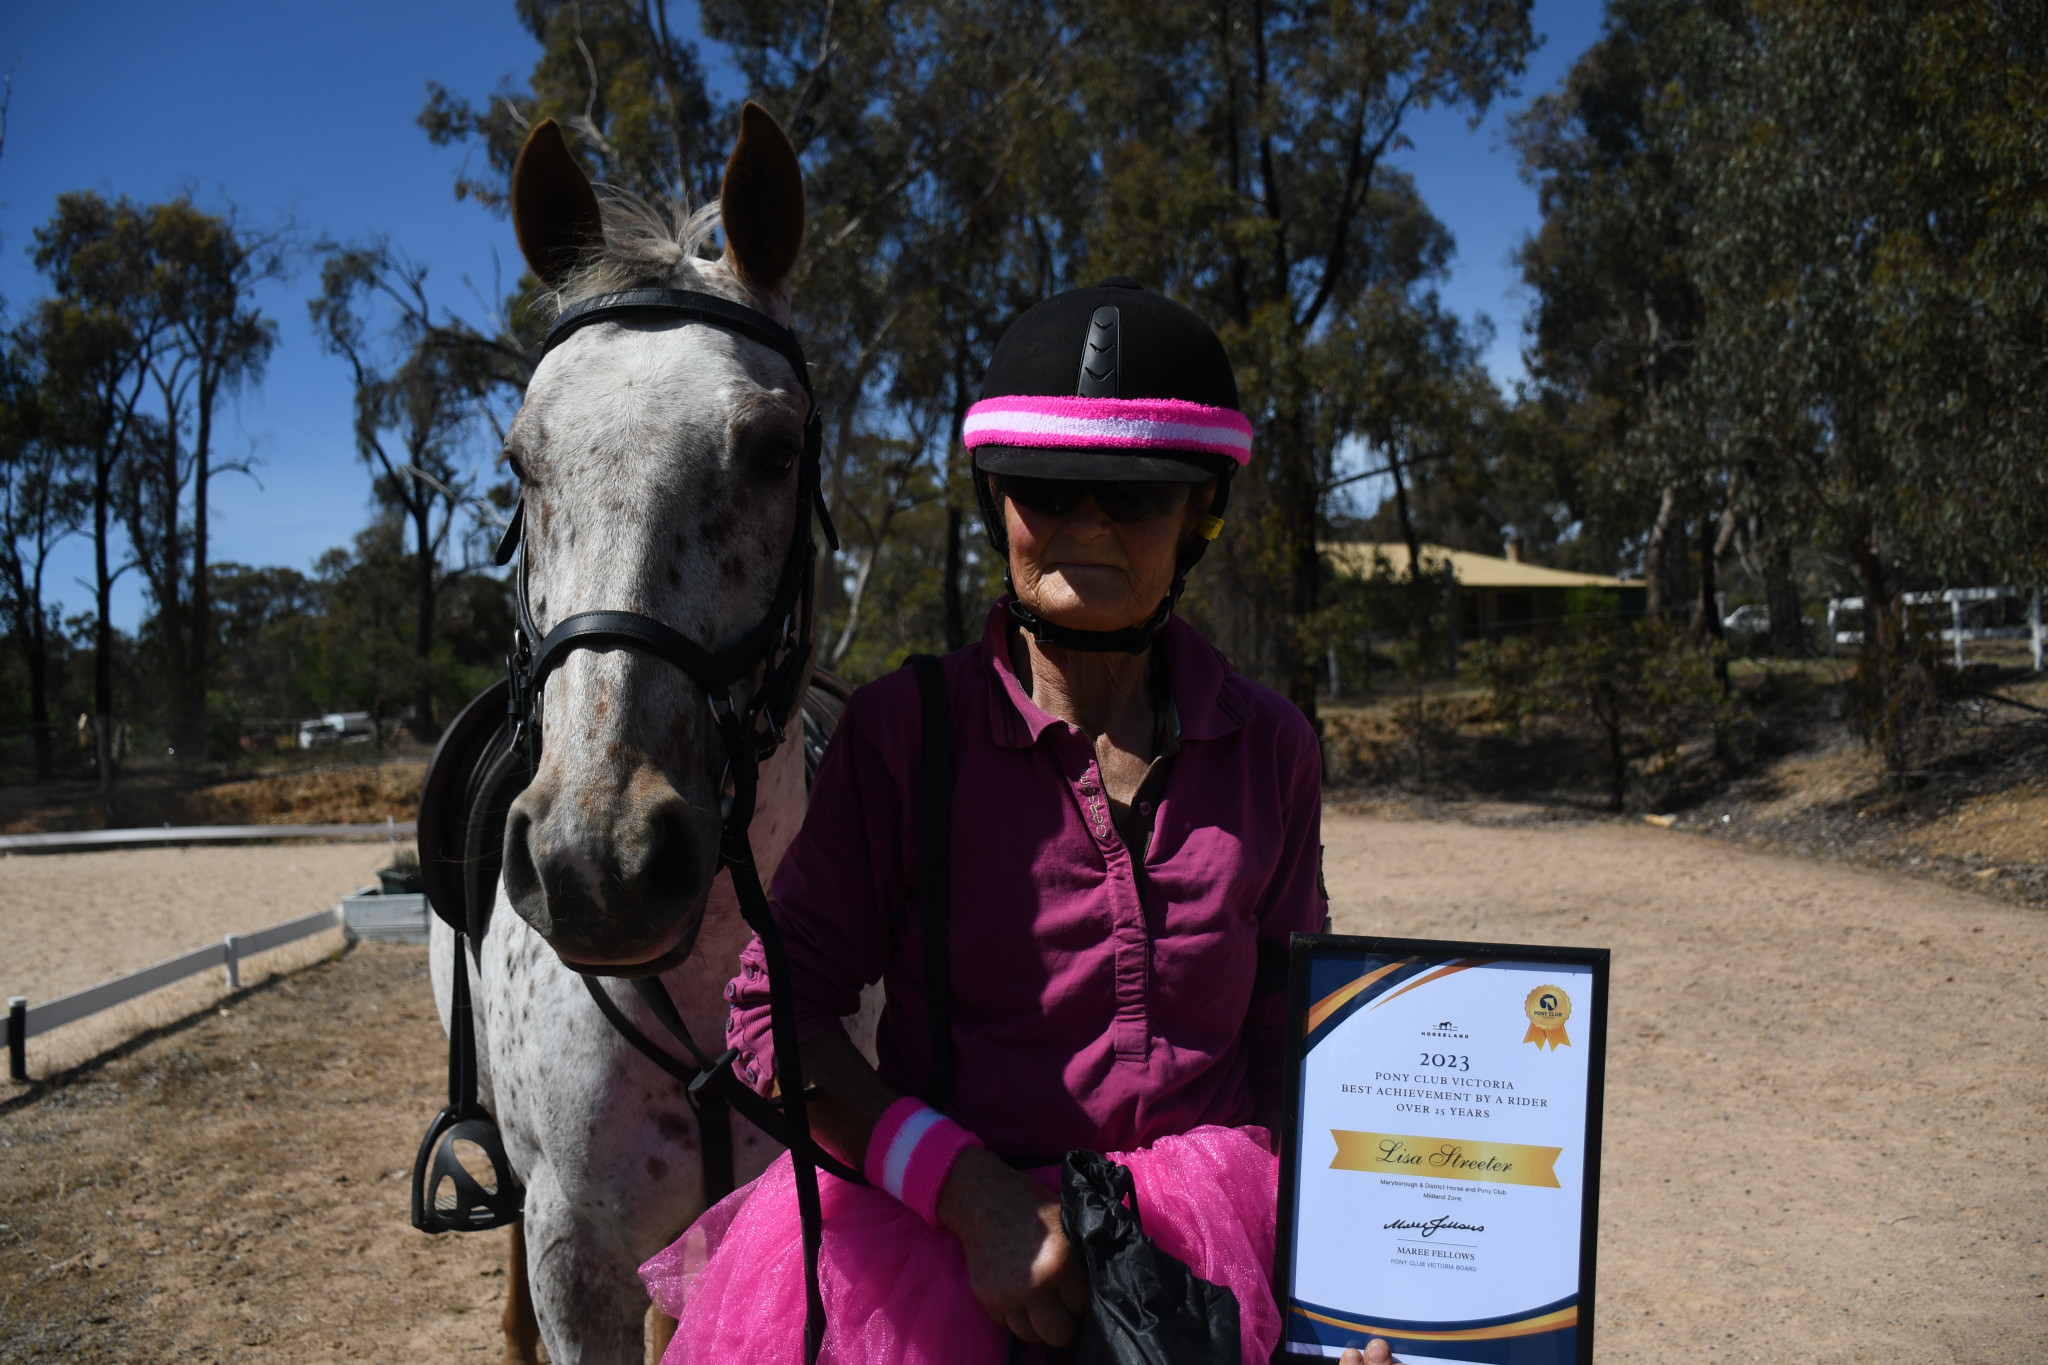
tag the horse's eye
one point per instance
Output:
(770, 456)
(517, 466)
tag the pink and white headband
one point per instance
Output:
(1109, 424)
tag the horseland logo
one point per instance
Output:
(1446, 1029)
(1547, 1007)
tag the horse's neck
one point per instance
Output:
(698, 983)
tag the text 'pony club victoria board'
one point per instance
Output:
(1440, 1164)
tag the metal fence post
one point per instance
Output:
(17, 1037)
(233, 963)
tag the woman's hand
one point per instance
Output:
(1019, 1262)
(1376, 1352)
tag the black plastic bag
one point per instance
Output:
(1147, 1307)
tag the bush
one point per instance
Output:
(1632, 686)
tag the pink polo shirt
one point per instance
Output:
(1099, 1000)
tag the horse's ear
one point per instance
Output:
(762, 201)
(554, 210)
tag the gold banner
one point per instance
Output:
(1492, 1163)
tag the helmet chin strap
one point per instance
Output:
(1130, 640)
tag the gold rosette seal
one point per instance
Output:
(1547, 1008)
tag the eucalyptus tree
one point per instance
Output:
(39, 508)
(1615, 153)
(1245, 152)
(418, 403)
(97, 335)
(932, 218)
(1872, 229)
(204, 270)
(965, 159)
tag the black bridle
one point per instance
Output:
(775, 656)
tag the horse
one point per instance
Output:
(658, 461)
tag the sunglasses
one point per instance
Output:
(1123, 500)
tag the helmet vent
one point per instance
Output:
(1098, 356)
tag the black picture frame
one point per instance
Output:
(1302, 949)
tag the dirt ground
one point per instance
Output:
(1825, 1102)
(72, 919)
(75, 918)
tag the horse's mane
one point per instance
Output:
(646, 245)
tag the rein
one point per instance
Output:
(775, 655)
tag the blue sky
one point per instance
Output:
(302, 115)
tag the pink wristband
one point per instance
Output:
(912, 1152)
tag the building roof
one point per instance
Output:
(1472, 570)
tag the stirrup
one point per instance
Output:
(474, 1208)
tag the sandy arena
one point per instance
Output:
(1825, 1101)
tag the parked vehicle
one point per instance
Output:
(1747, 620)
(336, 727)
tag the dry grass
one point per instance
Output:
(357, 794)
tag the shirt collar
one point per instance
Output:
(1204, 687)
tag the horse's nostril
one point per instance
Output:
(522, 879)
(670, 871)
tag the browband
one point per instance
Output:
(685, 305)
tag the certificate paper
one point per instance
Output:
(1439, 1179)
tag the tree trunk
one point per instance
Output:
(1781, 602)
(1706, 621)
(1407, 521)
(103, 627)
(423, 727)
(1657, 594)
(39, 693)
(199, 618)
(1298, 498)
(956, 614)
(1617, 767)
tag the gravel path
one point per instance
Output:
(1825, 1103)
(1826, 1087)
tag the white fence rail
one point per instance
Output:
(73, 840)
(1956, 633)
(401, 918)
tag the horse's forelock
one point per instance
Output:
(650, 246)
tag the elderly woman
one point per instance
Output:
(1134, 835)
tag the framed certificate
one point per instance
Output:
(1440, 1154)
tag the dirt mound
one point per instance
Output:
(355, 794)
(330, 794)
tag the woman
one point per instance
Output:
(1134, 836)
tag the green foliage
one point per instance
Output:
(1637, 689)
(964, 160)
(1789, 303)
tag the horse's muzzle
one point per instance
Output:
(610, 891)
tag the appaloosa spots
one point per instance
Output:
(656, 1168)
(672, 1125)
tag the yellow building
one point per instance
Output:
(1495, 595)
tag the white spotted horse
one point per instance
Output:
(595, 831)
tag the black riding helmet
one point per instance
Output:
(1109, 384)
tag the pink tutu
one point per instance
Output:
(895, 1287)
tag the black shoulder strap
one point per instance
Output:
(936, 864)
